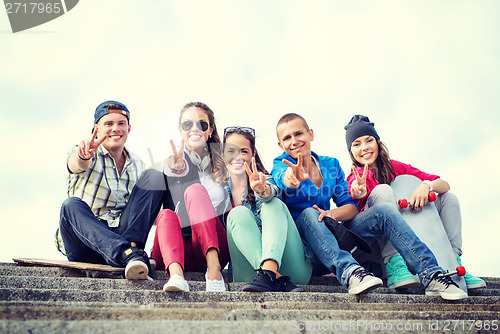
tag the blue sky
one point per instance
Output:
(426, 72)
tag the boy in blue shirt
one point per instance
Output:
(309, 181)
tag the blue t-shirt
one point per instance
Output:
(334, 186)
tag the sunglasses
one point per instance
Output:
(187, 125)
(232, 129)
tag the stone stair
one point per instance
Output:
(36, 299)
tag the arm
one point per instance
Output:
(258, 182)
(81, 159)
(421, 195)
(344, 213)
(176, 165)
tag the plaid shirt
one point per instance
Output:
(102, 188)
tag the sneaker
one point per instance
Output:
(264, 282)
(136, 263)
(442, 285)
(285, 285)
(176, 283)
(362, 281)
(472, 282)
(398, 275)
(215, 285)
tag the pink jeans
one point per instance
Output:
(206, 232)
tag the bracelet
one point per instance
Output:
(83, 158)
(264, 193)
(180, 170)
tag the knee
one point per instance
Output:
(237, 214)
(151, 179)
(167, 217)
(195, 190)
(386, 210)
(383, 193)
(307, 216)
(449, 198)
(70, 204)
(274, 204)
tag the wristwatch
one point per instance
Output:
(430, 184)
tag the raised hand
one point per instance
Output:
(295, 173)
(358, 186)
(256, 179)
(176, 160)
(88, 148)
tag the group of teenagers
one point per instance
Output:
(214, 203)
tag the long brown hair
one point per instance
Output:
(250, 198)
(384, 171)
(218, 167)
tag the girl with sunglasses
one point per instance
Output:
(369, 181)
(261, 233)
(190, 236)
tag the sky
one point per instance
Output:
(427, 73)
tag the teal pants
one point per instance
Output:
(279, 241)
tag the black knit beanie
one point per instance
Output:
(359, 126)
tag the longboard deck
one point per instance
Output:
(69, 264)
(427, 226)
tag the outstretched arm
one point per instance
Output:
(81, 159)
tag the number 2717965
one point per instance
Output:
(33, 8)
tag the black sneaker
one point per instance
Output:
(136, 263)
(285, 285)
(264, 282)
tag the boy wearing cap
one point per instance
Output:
(102, 221)
(309, 181)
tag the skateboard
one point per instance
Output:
(89, 269)
(427, 225)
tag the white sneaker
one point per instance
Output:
(215, 285)
(442, 285)
(176, 283)
(362, 281)
(136, 269)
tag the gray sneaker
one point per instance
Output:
(442, 285)
(362, 281)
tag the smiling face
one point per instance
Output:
(192, 119)
(365, 150)
(295, 138)
(237, 151)
(116, 126)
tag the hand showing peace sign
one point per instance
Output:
(358, 186)
(176, 160)
(88, 148)
(257, 179)
(295, 173)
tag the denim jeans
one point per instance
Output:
(87, 239)
(381, 219)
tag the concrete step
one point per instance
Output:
(249, 327)
(56, 300)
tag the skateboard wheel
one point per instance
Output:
(403, 203)
(432, 196)
(461, 271)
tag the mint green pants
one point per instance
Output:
(279, 241)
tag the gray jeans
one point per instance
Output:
(449, 210)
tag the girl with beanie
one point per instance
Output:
(369, 181)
